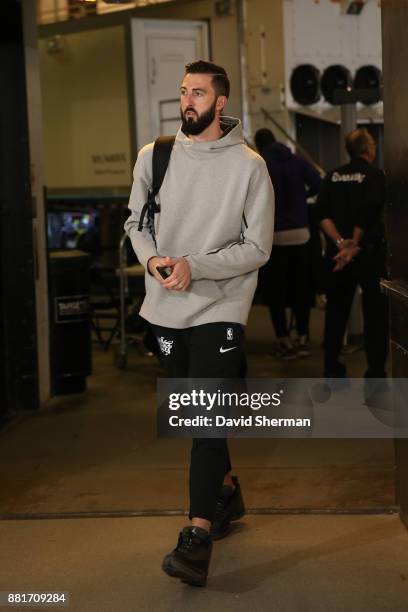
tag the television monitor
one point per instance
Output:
(74, 230)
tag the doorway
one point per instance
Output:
(160, 51)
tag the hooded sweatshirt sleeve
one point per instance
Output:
(254, 247)
(142, 242)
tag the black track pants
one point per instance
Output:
(365, 271)
(285, 280)
(213, 350)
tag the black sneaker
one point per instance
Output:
(230, 507)
(283, 350)
(190, 559)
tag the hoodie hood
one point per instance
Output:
(232, 136)
(277, 151)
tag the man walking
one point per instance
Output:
(213, 232)
(350, 206)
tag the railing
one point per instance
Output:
(298, 147)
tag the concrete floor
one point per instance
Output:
(269, 564)
(98, 453)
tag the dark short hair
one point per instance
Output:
(263, 138)
(357, 142)
(220, 79)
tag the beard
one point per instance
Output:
(196, 126)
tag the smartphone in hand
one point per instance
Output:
(164, 271)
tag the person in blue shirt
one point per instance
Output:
(286, 277)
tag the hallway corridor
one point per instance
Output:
(91, 499)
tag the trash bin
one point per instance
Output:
(70, 332)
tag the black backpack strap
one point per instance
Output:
(162, 149)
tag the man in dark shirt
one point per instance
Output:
(286, 277)
(350, 206)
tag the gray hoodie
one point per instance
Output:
(217, 210)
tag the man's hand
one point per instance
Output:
(180, 278)
(155, 262)
(348, 243)
(348, 251)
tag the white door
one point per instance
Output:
(161, 49)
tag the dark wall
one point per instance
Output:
(320, 139)
(18, 353)
(395, 59)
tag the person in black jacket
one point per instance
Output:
(286, 277)
(350, 207)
